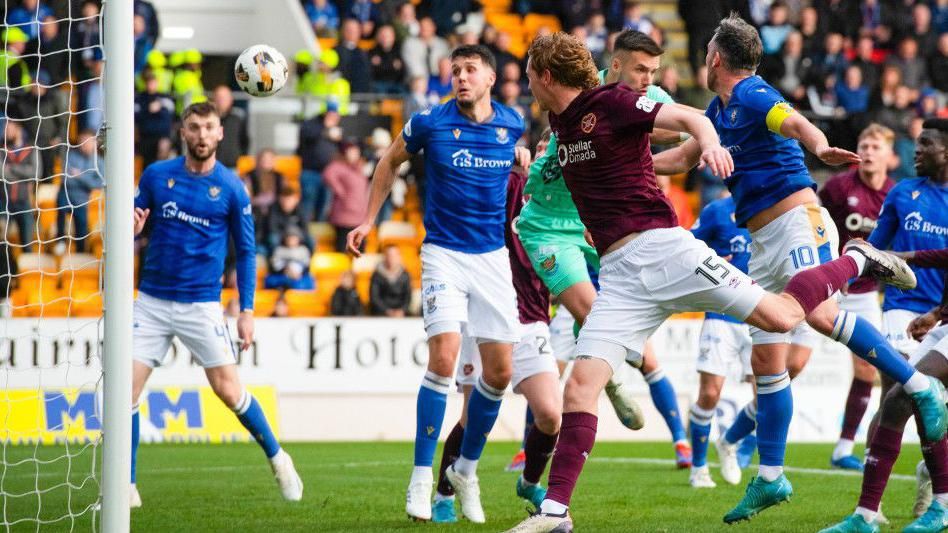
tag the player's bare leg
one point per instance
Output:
(666, 401)
(140, 374)
(700, 417)
(897, 408)
(545, 401)
(432, 399)
(482, 410)
(227, 386)
(578, 299)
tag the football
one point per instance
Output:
(261, 70)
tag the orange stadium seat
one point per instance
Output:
(89, 305)
(398, 233)
(37, 270)
(306, 303)
(364, 267)
(329, 264)
(324, 234)
(532, 22)
(289, 165)
(80, 272)
(264, 301)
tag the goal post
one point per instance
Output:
(118, 257)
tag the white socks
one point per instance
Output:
(844, 448)
(422, 474)
(866, 514)
(917, 383)
(465, 467)
(552, 507)
(770, 473)
(859, 259)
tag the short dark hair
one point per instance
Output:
(475, 50)
(201, 109)
(636, 41)
(939, 124)
(738, 43)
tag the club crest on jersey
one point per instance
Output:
(170, 183)
(915, 194)
(852, 201)
(431, 304)
(214, 192)
(588, 123)
(457, 133)
(502, 135)
(733, 116)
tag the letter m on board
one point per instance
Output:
(188, 404)
(60, 412)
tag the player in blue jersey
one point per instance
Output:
(775, 199)
(196, 206)
(469, 148)
(724, 341)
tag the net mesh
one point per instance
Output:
(50, 266)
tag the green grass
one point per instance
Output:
(361, 487)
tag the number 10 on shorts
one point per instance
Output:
(802, 257)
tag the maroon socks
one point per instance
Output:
(577, 436)
(538, 449)
(813, 286)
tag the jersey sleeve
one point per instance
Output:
(630, 110)
(888, 223)
(417, 131)
(143, 191)
(240, 221)
(770, 105)
(703, 228)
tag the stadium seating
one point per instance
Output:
(324, 235)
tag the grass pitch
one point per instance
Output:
(361, 487)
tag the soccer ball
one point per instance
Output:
(261, 70)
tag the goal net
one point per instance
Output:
(52, 269)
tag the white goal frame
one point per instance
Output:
(118, 256)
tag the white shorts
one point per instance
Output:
(722, 346)
(200, 326)
(562, 337)
(660, 273)
(894, 325)
(531, 356)
(801, 238)
(935, 341)
(866, 305)
(474, 290)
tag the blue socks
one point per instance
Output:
(251, 415)
(744, 423)
(663, 396)
(526, 428)
(135, 439)
(700, 427)
(482, 410)
(429, 414)
(775, 409)
(868, 343)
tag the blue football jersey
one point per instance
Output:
(914, 217)
(768, 167)
(192, 217)
(717, 227)
(466, 169)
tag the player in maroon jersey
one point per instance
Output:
(854, 199)
(651, 268)
(535, 374)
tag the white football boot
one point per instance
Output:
(468, 492)
(727, 454)
(291, 486)
(701, 478)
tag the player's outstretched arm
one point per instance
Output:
(678, 159)
(713, 155)
(796, 126)
(660, 136)
(382, 181)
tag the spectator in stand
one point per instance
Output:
(440, 85)
(418, 98)
(871, 15)
(346, 178)
(940, 16)
(187, 86)
(8, 273)
(84, 37)
(938, 64)
(14, 72)
(633, 18)
(379, 143)
(699, 95)
(286, 214)
(21, 169)
(263, 184)
(448, 15)
(883, 94)
(851, 93)
(81, 177)
(788, 70)
(51, 121)
(922, 29)
(324, 17)
(812, 33)
(234, 121)
(53, 48)
(388, 69)
(669, 81)
(832, 61)
(281, 308)
(305, 77)
(154, 117)
(867, 59)
(679, 200)
(775, 32)
(898, 116)
(92, 97)
(501, 51)
(572, 13)
(931, 104)
(289, 263)
(839, 16)
(366, 14)
(406, 24)
(597, 36)
(914, 71)
(147, 11)
(422, 53)
(27, 16)
(510, 97)
(331, 88)
(353, 61)
(700, 17)
(345, 299)
(512, 72)
(390, 287)
(142, 43)
(318, 146)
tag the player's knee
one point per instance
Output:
(547, 419)
(498, 376)
(228, 391)
(708, 397)
(579, 394)
(822, 319)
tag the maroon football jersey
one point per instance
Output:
(855, 209)
(533, 298)
(604, 151)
